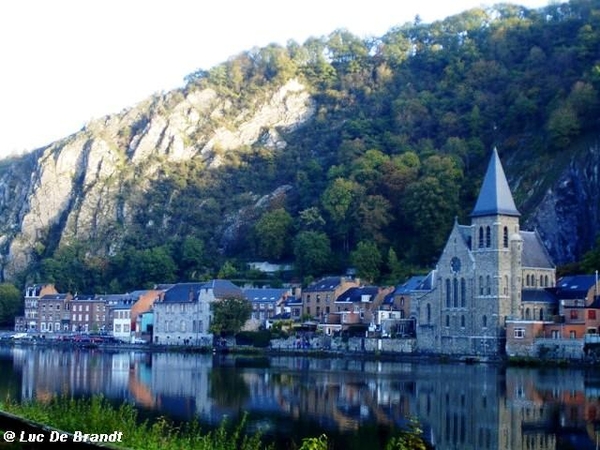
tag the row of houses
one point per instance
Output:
(493, 291)
(180, 314)
(169, 314)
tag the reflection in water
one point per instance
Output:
(357, 403)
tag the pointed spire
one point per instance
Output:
(495, 197)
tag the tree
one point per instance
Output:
(367, 260)
(312, 250)
(229, 315)
(10, 304)
(272, 233)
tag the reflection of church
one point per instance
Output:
(478, 281)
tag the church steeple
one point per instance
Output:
(495, 197)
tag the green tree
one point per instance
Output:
(273, 233)
(337, 200)
(191, 262)
(312, 251)
(227, 271)
(590, 262)
(229, 315)
(367, 260)
(10, 304)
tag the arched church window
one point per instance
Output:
(455, 292)
(428, 313)
(541, 313)
(484, 321)
(463, 293)
(488, 285)
(448, 293)
(527, 314)
(505, 240)
(462, 321)
(488, 237)
(527, 280)
(480, 237)
(546, 283)
(447, 320)
(480, 284)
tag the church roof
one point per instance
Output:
(534, 252)
(495, 196)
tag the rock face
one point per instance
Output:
(567, 218)
(85, 185)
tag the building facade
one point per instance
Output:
(480, 275)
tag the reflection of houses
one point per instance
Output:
(184, 315)
(562, 321)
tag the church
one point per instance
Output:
(478, 283)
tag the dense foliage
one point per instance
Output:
(404, 125)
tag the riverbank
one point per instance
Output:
(393, 350)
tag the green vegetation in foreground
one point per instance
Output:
(97, 415)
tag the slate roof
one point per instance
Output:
(538, 295)
(264, 295)
(324, 284)
(575, 286)
(534, 251)
(54, 297)
(182, 292)
(188, 292)
(428, 282)
(412, 284)
(354, 294)
(495, 197)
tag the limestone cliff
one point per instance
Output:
(86, 186)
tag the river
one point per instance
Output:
(357, 403)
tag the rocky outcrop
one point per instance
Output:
(567, 218)
(86, 186)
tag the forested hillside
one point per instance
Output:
(388, 147)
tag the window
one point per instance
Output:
(574, 314)
(505, 237)
(592, 314)
(448, 293)
(462, 321)
(447, 321)
(505, 284)
(484, 321)
(555, 334)
(480, 284)
(488, 237)
(488, 285)
(463, 293)
(428, 313)
(527, 280)
(572, 334)
(519, 333)
(455, 292)
(480, 237)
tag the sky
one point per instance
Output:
(66, 62)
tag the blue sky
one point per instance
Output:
(65, 62)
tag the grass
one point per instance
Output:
(97, 415)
